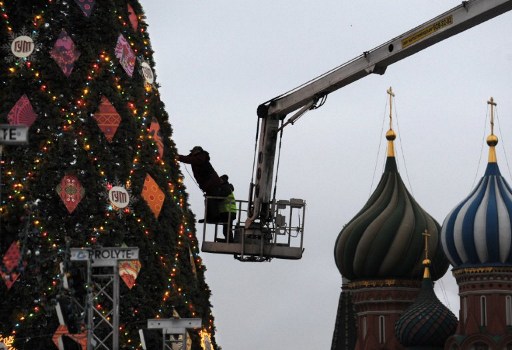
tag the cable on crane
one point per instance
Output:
(401, 148)
(313, 104)
(379, 148)
(278, 161)
(255, 149)
(481, 149)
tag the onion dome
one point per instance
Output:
(478, 231)
(427, 323)
(384, 240)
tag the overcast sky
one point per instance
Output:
(217, 60)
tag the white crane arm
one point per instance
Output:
(467, 15)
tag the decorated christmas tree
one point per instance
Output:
(99, 170)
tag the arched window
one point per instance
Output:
(508, 310)
(382, 330)
(483, 312)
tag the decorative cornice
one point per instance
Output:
(481, 270)
(384, 283)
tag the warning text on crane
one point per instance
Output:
(427, 31)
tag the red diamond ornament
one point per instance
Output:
(70, 191)
(107, 118)
(10, 262)
(62, 330)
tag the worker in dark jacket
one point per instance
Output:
(206, 177)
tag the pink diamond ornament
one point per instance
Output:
(125, 55)
(65, 53)
(22, 113)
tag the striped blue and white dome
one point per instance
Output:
(478, 231)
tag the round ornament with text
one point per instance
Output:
(147, 72)
(119, 197)
(22, 46)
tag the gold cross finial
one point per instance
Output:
(493, 104)
(390, 135)
(492, 140)
(426, 261)
(391, 95)
(426, 235)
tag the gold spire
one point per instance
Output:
(390, 134)
(426, 261)
(492, 140)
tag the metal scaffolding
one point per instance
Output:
(174, 331)
(103, 286)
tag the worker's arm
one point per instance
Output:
(193, 158)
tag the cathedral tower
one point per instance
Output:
(477, 239)
(380, 252)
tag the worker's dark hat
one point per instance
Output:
(196, 148)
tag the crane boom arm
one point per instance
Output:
(467, 15)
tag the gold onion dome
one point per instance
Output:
(384, 240)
